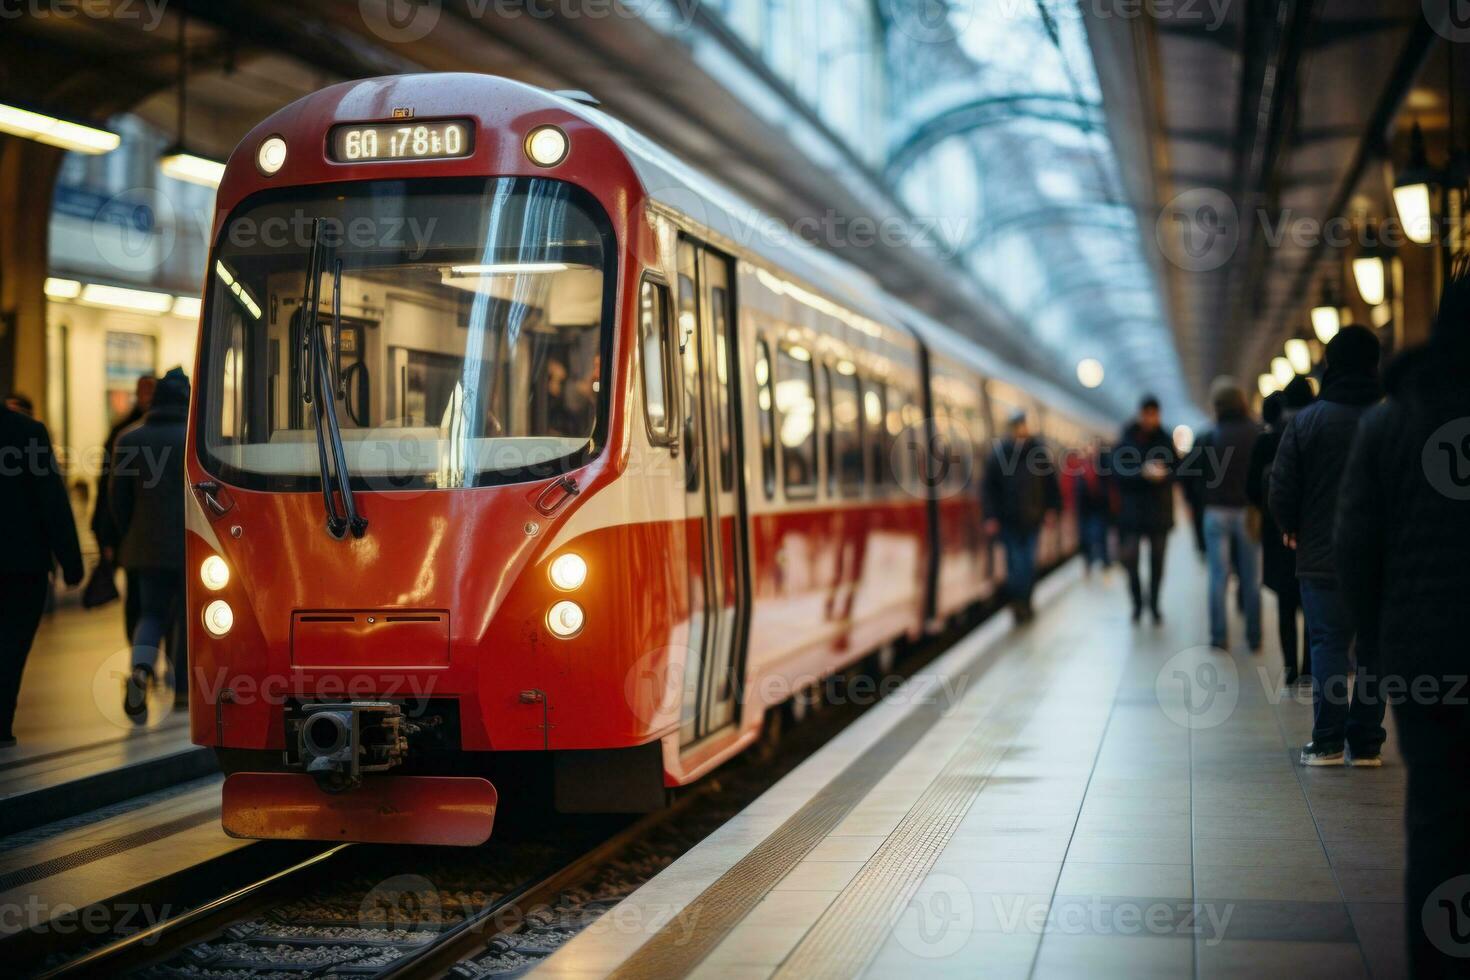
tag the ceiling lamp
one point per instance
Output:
(1370, 267)
(177, 162)
(54, 131)
(1267, 384)
(1326, 317)
(1299, 353)
(1411, 191)
(1282, 371)
(1090, 372)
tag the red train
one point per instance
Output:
(516, 449)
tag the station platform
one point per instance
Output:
(1047, 801)
(77, 750)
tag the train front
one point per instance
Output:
(402, 396)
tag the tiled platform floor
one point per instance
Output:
(1074, 813)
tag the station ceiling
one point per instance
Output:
(1070, 144)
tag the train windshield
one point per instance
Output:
(466, 326)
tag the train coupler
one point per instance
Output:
(338, 743)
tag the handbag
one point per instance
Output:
(101, 587)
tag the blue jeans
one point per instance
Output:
(160, 601)
(1337, 717)
(1225, 532)
(1094, 532)
(1020, 562)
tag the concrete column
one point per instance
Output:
(27, 180)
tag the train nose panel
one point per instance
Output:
(452, 811)
(370, 638)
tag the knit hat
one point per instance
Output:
(1298, 393)
(173, 388)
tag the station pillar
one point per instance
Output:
(27, 180)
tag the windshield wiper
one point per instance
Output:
(319, 394)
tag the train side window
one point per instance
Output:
(875, 432)
(767, 406)
(847, 433)
(796, 402)
(653, 349)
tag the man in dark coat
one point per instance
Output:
(147, 495)
(1403, 554)
(1144, 464)
(103, 527)
(1021, 493)
(1305, 481)
(39, 532)
(1278, 561)
(1220, 461)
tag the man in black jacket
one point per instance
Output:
(1305, 481)
(1144, 464)
(1021, 493)
(1220, 461)
(104, 529)
(1403, 550)
(38, 530)
(1278, 562)
(147, 497)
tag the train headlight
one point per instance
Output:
(218, 617)
(565, 619)
(547, 146)
(568, 572)
(214, 573)
(271, 156)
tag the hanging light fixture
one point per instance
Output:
(1412, 191)
(176, 161)
(1326, 317)
(1267, 385)
(1282, 371)
(1370, 267)
(1299, 354)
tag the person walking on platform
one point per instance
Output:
(39, 532)
(1145, 464)
(1021, 493)
(1278, 562)
(104, 529)
(1093, 492)
(1403, 538)
(1220, 462)
(1305, 481)
(147, 496)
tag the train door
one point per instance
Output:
(714, 488)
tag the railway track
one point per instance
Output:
(386, 912)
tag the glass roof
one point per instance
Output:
(1005, 136)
